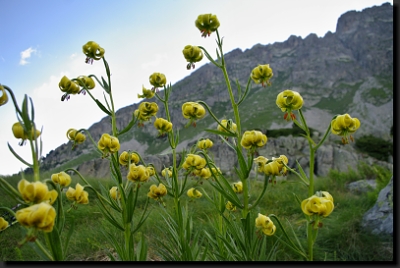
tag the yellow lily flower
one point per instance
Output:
(194, 193)
(253, 139)
(138, 173)
(92, 50)
(344, 125)
(192, 54)
(156, 192)
(3, 224)
(262, 74)
(288, 101)
(207, 23)
(40, 216)
(4, 97)
(157, 80)
(78, 194)
(204, 144)
(108, 144)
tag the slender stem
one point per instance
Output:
(41, 247)
(36, 174)
(310, 241)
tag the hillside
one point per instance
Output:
(348, 71)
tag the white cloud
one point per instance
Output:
(26, 54)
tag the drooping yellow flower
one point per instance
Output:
(229, 206)
(194, 162)
(36, 192)
(4, 97)
(124, 158)
(344, 125)
(193, 111)
(204, 144)
(163, 126)
(288, 101)
(61, 178)
(3, 224)
(85, 82)
(276, 167)
(156, 192)
(157, 80)
(19, 133)
(227, 124)
(194, 193)
(238, 187)
(76, 137)
(146, 110)
(92, 50)
(192, 54)
(151, 171)
(207, 23)
(318, 205)
(138, 173)
(40, 216)
(147, 93)
(265, 224)
(114, 193)
(78, 194)
(68, 86)
(262, 74)
(261, 161)
(253, 139)
(108, 144)
(166, 171)
(204, 173)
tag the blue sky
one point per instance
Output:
(41, 41)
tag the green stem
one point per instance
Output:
(36, 174)
(41, 247)
(310, 241)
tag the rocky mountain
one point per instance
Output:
(348, 71)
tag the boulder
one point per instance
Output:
(379, 219)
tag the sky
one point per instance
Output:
(41, 41)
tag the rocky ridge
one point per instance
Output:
(349, 71)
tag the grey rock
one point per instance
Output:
(379, 219)
(362, 186)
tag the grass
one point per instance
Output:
(340, 238)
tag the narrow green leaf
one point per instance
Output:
(303, 174)
(17, 156)
(68, 237)
(105, 85)
(55, 244)
(101, 106)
